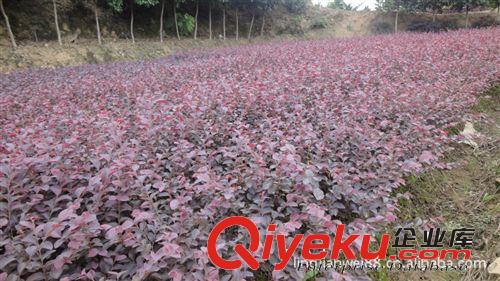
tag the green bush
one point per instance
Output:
(342, 5)
(292, 26)
(186, 24)
(484, 21)
(381, 27)
(449, 24)
(425, 26)
(296, 6)
(319, 23)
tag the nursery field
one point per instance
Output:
(120, 171)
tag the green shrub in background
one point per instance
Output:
(186, 24)
(295, 6)
(319, 23)
(484, 21)
(449, 24)
(425, 26)
(293, 26)
(381, 27)
(342, 5)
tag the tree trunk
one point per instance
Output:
(132, 21)
(210, 20)
(175, 21)
(97, 23)
(466, 16)
(433, 16)
(7, 24)
(498, 13)
(251, 26)
(196, 20)
(396, 21)
(161, 19)
(262, 26)
(224, 23)
(56, 21)
(237, 27)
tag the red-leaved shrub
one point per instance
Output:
(119, 171)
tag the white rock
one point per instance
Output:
(494, 267)
(468, 129)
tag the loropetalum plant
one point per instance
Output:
(119, 171)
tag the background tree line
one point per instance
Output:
(184, 24)
(435, 7)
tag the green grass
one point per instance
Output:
(466, 196)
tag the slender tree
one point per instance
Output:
(132, 21)
(210, 19)
(175, 21)
(263, 24)
(161, 19)
(7, 24)
(237, 27)
(237, 6)
(264, 7)
(145, 3)
(251, 26)
(495, 4)
(98, 28)
(116, 5)
(467, 15)
(56, 22)
(196, 20)
(466, 6)
(396, 20)
(224, 19)
(435, 6)
(393, 6)
(432, 6)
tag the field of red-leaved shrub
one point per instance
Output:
(120, 171)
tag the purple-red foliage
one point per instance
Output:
(121, 170)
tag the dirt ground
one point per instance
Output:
(50, 54)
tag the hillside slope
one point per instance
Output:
(280, 26)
